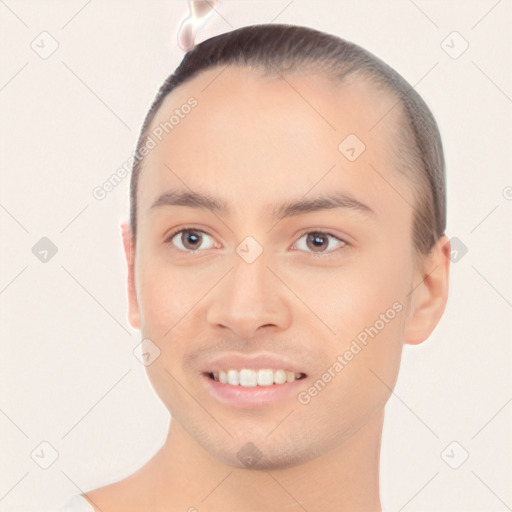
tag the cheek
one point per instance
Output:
(165, 303)
(373, 329)
(347, 299)
(172, 312)
(364, 304)
(165, 294)
(357, 381)
(158, 305)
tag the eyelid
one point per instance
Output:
(326, 232)
(173, 233)
(323, 231)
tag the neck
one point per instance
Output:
(183, 476)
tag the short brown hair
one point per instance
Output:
(280, 47)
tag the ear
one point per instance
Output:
(429, 298)
(129, 250)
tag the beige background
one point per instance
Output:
(68, 373)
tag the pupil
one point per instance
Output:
(318, 239)
(191, 235)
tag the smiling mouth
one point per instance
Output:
(253, 378)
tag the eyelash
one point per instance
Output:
(169, 239)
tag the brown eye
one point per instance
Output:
(318, 241)
(189, 239)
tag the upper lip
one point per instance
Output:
(260, 361)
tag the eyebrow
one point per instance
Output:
(277, 212)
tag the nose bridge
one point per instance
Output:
(247, 298)
(250, 283)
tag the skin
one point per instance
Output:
(253, 141)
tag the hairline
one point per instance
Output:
(421, 157)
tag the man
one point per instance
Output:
(286, 239)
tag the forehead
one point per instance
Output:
(253, 140)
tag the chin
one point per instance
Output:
(262, 454)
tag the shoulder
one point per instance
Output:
(77, 503)
(123, 496)
(131, 494)
(103, 499)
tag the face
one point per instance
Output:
(316, 291)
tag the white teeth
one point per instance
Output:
(233, 377)
(265, 377)
(251, 378)
(248, 378)
(279, 377)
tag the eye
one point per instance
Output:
(318, 240)
(189, 239)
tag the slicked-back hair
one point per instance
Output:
(280, 48)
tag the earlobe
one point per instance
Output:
(429, 298)
(129, 250)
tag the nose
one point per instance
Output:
(249, 298)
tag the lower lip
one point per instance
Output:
(251, 397)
